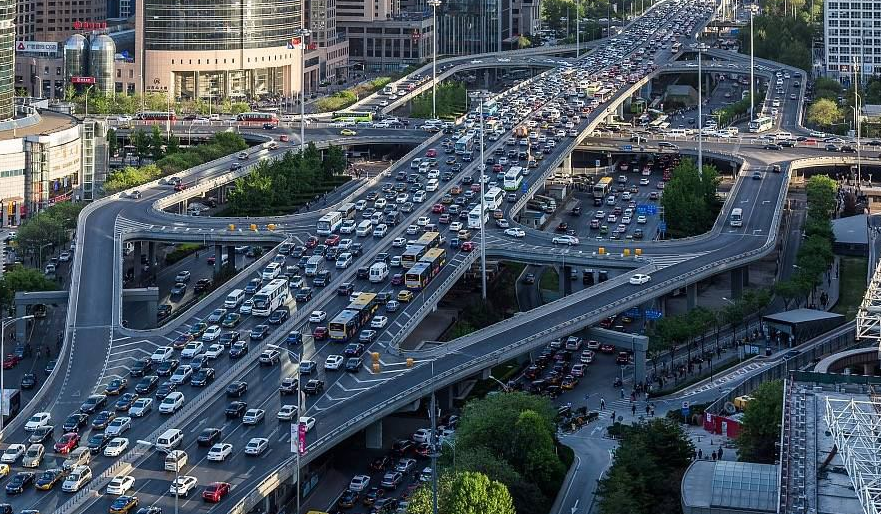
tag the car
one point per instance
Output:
(313, 387)
(41, 434)
(515, 232)
(118, 425)
(68, 442)
(405, 465)
(348, 132)
(97, 443)
(12, 453)
(235, 409)
(172, 403)
(162, 354)
(208, 436)
(201, 285)
(639, 279)
(38, 420)
(359, 483)
(19, 481)
(354, 364)
(216, 315)
(405, 295)
(379, 322)
(307, 422)
(141, 407)
(181, 486)
(565, 240)
(116, 447)
(215, 351)
(141, 367)
(279, 316)
(391, 480)
(215, 491)
(231, 320)
(181, 375)
(256, 446)
(317, 316)
(219, 452)
(333, 362)
(10, 361)
(182, 276)
(192, 349)
(259, 332)
(320, 333)
(47, 480)
(348, 499)
(124, 504)
(29, 381)
(308, 367)
(246, 307)
(75, 422)
(253, 416)
(392, 306)
(607, 348)
(227, 339)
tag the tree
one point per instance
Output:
(172, 146)
(112, 142)
(141, 142)
(823, 113)
(761, 424)
(465, 492)
(789, 290)
(49, 228)
(690, 200)
(523, 42)
(157, 142)
(535, 455)
(21, 279)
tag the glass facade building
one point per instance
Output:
(7, 59)
(472, 26)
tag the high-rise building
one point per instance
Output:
(7, 59)
(384, 36)
(328, 47)
(57, 20)
(473, 26)
(853, 39)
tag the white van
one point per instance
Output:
(423, 167)
(676, 132)
(783, 136)
(313, 265)
(80, 476)
(419, 196)
(414, 164)
(271, 271)
(378, 272)
(175, 460)
(432, 185)
(170, 439)
(234, 299)
(365, 228)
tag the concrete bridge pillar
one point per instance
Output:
(231, 256)
(566, 165)
(736, 283)
(374, 435)
(691, 296)
(745, 276)
(151, 255)
(139, 268)
(563, 277)
(218, 258)
(640, 344)
(869, 369)
(21, 325)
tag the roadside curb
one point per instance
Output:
(567, 482)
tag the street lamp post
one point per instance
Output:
(299, 415)
(176, 469)
(752, 64)
(87, 101)
(701, 48)
(303, 33)
(434, 5)
(856, 117)
(3, 355)
(433, 417)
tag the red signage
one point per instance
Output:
(89, 25)
(82, 80)
(302, 437)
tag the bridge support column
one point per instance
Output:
(231, 256)
(745, 276)
(21, 325)
(566, 165)
(691, 296)
(374, 435)
(563, 277)
(736, 283)
(139, 268)
(151, 255)
(151, 307)
(218, 258)
(869, 369)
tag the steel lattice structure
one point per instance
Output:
(856, 428)
(869, 313)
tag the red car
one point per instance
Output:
(215, 492)
(311, 242)
(438, 208)
(68, 442)
(397, 279)
(332, 240)
(320, 333)
(431, 153)
(423, 449)
(622, 358)
(10, 361)
(468, 246)
(181, 341)
(180, 186)
(607, 348)
(283, 138)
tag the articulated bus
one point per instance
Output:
(257, 118)
(352, 116)
(156, 116)
(329, 223)
(761, 124)
(513, 179)
(602, 187)
(493, 198)
(429, 240)
(272, 296)
(412, 254)
(736, 219)
(358, 314)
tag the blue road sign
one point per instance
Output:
(627, 148)
(524, 188)
(652, 209)
(633, 312)
(662, 226)
(653, 314)
(641, 209)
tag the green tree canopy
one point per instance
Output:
(21, 279)
(761, 424)
(824, 113)
(465, 492)
(47, 229)
(690, 200)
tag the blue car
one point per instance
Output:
(294, 338)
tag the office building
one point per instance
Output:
(473, 26)
(525, 17)
(853, 39)
(328, 48)
(398, 40)
(7, 58)
(57, 20)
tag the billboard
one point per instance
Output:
(42, 47)
(82, 80)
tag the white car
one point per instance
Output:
(565, 240)
(214, 351)
(640, 279)
(287, 412)
(317, 316)
(182, 374)
(333, 362)
(211, 334)
(119, 485)
(398, 242)
(192, 349)
(515, 232)
(253, 416)
(379, 322)
(455, 226)
(181, 486)
(412, 230)
(423, 435)
(246, 307)
(118, 426)
(626, 220)
(171, 403)
(359, 483)
(308, 421)
(115, 447)
(422, 221)
(502, 223)
(344, 245)
(141, 407)
(219, 452)
(13, 453)
(256, 446)
(642, 220)
(38, 420)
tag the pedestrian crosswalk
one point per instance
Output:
(125, 225)
(664, 261)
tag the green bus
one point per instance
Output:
(352, 116)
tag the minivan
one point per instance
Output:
(378, 272)
(170, 439)
(234, 299)
(419, 196)
(432, 185)
(80, 476)
(271, 271)
(175, 460)
(365, 228)
(313, 265)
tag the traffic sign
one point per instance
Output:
(652, 209)
(597, 163)
(627, 148)
(662, 226)
(686, 409)
(633, 312)
(641, 209)
(653, 314)
(524, 188)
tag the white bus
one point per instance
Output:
(271, 297)
(736, 219)
(493, 198)
(329, 223)
(477, 218)
(465, 144)
(513, 179)
(761, 124)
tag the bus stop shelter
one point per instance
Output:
(791, 328)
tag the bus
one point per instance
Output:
(412, 254)
(676, 46)
(257, 118)
(436, 258)
(736, 219)
(477, 217)
(465, 144)
(513, 179)
(761, 124)
(602, 187)
(352, 116)
(429, 240)
(358, 314)
(329, 223)
(603, 94)
(490, 108)
(365, 305)
(272, 296)
(493, 198)
(156, 116)
(419, 276)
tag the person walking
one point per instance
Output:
(714, 454)
(633, 409)
(613, 416)
(720, 453)
(700, 454)
(622, 392)
(602, 403)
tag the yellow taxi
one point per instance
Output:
(348, 132)
(405, 295)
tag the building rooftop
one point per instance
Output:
(851, 230)
(49, 123)
(739, 486)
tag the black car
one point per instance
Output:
(402, 446)
(236, 409)
(165, 389)
(50, 366)
(771, 146)
(356, 249)
(259, 332)
(208, 437)
(202, 378)
(353, 364)
(166, 368)
(239, 349)
(19, 481)
(354, 350)
(228, 338)
(382, 463)
(236, 389)
(848, 149)
(97, 442)
(382, 257)
(313, 386)
(202, 285)
(29, 381)
(303, 295)
(141, 367)
(93, 403)
(163, 311)
(279, 316)
(321, 279)
(125, 401)
(147, 384)
(362, 272)
(41, 435)
(103, 419)
(345, 289)
(75, 422)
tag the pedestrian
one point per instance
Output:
(720, 453)
(602, 404)
(700, 454)
(652, 413)
(622, 392)
(633, 409)
(48, 352)
(613, 416)
(714, 454)
(647, 409)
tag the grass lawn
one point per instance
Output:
(550, 281)
(852, 285)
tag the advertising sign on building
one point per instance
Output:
(82, 80)
(302, 437)
(36, 47)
